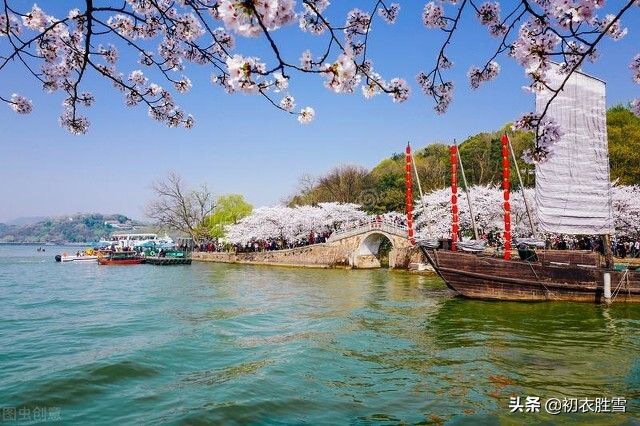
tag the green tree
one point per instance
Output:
(433, 166)
(228, 210)
(388, 179)
(624, 145)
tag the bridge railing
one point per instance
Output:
(362, 227)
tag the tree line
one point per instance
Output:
(382, 189)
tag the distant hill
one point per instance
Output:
(26, 220)
(78, 228)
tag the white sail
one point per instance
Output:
(573, 187)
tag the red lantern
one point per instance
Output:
(507, 226)
(505, 184)
(409, 216)
(410, 232)
(454, 199)
(506, 173)
(507, 206)
(454, 189)
(506, 195)
(505, 152)
(454, 228)
(505, 162)
(408, 167)
(408, 149)
(454, 218)
(454, 209)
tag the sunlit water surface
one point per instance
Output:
(226, 344)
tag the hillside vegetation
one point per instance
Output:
(79, 228)
(382, 188)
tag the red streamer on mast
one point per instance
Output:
(409, 194)
(454, 197)
(507, 205)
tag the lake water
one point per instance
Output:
(225, 344)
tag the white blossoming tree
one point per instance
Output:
(291, 225)
(167, 36)
(626, 210)
(487, 201)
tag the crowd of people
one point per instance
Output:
(263, 245)
(622, 247)
(312, 238)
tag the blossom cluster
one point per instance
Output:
(547, 133)
(433, 16)
(168, 36)
(248, 18)
(477, 76)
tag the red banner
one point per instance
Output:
(454, 197)
(507, 205)
(409, 197)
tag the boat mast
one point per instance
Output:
(466, 189)
(524, 197)
(424, 206)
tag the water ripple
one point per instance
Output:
(229, 344)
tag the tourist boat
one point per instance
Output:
(167, 254)
(133, 240)
(128, 257)
(573, 196)
(85, 256)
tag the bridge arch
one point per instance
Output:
(360, 242)
(368, 254)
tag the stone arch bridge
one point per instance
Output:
(355, 246)
(360, 243)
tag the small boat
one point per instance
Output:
(85, 256)
(119, 258)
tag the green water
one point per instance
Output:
(225, 344)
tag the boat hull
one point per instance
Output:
(76, 259)
(165, 261)
(486, 277)
(120, 261)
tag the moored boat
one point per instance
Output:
(84, 256)
(576, 276)
(169, 254)
(573, 197)
(119, 258)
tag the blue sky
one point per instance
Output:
(240, 143)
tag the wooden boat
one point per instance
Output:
(119, 258)
(576, 276)
(573, 196)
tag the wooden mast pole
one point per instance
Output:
(424, 206)
(466, 189)
(524, 197)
